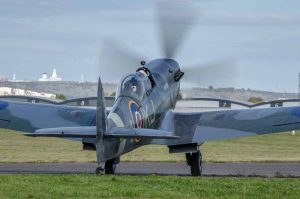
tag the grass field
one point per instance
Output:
(91, 186)
(14, 147)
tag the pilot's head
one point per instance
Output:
(134, 88)
(135, 85)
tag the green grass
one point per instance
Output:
(14, 147)
(91, 186)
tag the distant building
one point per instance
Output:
(53, 78)
(14, 79)
(17, 91)
(81, 79)
(3, 79)
(44, 78)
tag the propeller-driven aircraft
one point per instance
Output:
(143, 114)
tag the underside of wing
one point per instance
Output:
(218, 125)
(90, 132)
(140, 133)
(66, 132)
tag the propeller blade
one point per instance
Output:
(116, 61)
(217, 74)
(174, 19)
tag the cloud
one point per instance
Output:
(33, 8)
(234, 18)
(134, 11)
(39, 34)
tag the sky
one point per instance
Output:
(262, 37)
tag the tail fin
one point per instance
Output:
(101, 123)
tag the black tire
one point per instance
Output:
(99, 171)
(110, 167)
(188, 158)
(196, 164)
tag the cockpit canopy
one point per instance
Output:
(135, 85)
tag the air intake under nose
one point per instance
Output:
(178, 75)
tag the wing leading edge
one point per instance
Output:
(218, 125)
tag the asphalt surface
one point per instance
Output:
(146, 168)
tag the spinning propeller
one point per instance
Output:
(175, 18)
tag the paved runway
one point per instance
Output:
(145, 168)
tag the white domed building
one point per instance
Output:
(53, 78)
(44, 78)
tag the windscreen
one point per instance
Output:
(134, 85)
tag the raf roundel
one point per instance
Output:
(138, 119)
(135, 114)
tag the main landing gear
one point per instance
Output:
(109, 167)
(194, 160)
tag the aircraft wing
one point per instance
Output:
(217, 125)
(29, 117)
(44, 120)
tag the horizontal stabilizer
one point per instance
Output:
(90, 132)
(117, 132)
(66, 132)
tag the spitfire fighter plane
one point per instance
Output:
(143, 114)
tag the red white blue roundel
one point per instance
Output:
(135, 114)
(139, 120)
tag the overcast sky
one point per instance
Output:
(263, 36)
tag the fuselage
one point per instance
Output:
(142, 100)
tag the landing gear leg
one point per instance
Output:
(110, 167)
(194, 160)
(100, 169)
(188, 158)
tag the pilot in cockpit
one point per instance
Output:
(135, 85)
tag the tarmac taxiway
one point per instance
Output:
(161, 168)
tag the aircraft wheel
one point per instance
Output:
(99, 171)
(196, 163)
(188, 158)
(110, 167)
